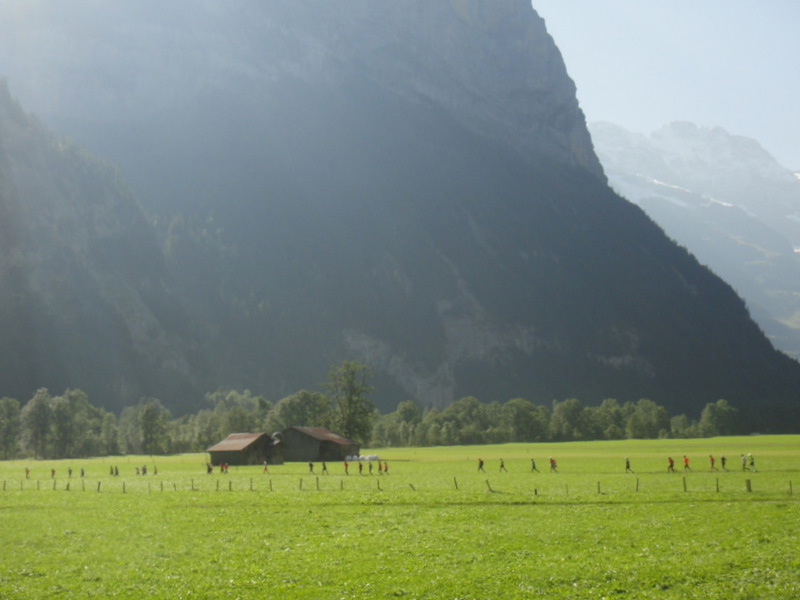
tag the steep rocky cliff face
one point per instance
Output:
(409, 185)
(490, 65)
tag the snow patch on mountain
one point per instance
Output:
(724, 198)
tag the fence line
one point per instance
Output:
(549, 489)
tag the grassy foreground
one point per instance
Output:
(433, 527)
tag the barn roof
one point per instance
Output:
(235, 441)
(325, 435)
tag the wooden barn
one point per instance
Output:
(247, 449)
(316, 444)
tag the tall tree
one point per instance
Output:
(129, 431)
(61, 426)
(9, 426)
(408, 412)
(87, 425)
(719, 418)
(206, 429)
(35, 421)
(611, 419)
(348, 385)
(524, 420)
(565, 422)
(301, 408)
(647, 421)
(154, 420)
(109, 434)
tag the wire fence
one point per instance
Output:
(533, 490)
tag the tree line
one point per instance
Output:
(469, 421)
(69, 426)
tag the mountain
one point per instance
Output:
(82, 300)
(412, 186)
(197, 84)
(728, 201)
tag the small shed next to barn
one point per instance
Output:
(247, 449)
(316, 444)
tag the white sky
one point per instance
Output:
(728, 63)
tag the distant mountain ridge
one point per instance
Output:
(728, 201)
(415, 189)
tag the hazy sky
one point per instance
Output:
(644, 63)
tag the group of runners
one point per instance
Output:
(748, 463)
(113, 471)
(383, 467)
(551, 460)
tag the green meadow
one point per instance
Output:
(433, 527)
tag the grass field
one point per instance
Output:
(433, 527)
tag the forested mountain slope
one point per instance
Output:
(82, 295)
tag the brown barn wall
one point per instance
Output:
(300, 447)
(219, 457)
